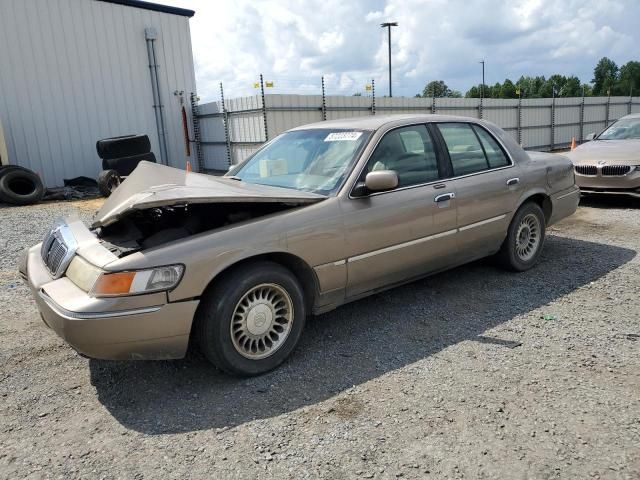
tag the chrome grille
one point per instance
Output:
(58, 248)
(615, 170)
(54, 256)
(586, 169)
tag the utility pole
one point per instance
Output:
(388, 26)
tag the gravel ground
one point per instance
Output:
(473, 373)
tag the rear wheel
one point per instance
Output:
(525, 238)
(251, 320)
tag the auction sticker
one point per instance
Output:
(342, 136)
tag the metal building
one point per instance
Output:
(75, 71)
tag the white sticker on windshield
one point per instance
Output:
(342, 136)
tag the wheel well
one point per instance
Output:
(298, 267)
(544, 202)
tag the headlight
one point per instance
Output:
(136, 282)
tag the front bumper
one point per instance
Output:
(119, 328)
(628, 184)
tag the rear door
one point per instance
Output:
(400, 234)
(487, 184)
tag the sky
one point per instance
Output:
(295, 43)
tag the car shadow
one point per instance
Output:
(351, 345)
(609, 201)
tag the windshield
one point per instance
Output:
(623, 129)
(315, 160)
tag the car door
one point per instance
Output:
(395, 235)
(487, 185)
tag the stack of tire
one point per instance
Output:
(120, 156)
(20, 186)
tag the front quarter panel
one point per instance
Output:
(313, 231)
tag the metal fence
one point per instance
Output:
(229, 130)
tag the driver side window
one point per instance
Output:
(409, 152)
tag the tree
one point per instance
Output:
(473, 92)
(572, 87)
(476, 92)
(436, 88)
(629, 79)
(605, 77)
(508, 90)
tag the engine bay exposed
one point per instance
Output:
(144, 229)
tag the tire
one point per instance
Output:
(7, 168)
(243, 295)
(525, 238)
(20, 186)
(124, 146)
(108, 181)
(125, 165)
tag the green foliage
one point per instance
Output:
(606, 78)
(629, 79)
(439, 89)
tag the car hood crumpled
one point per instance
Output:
(613, 152)
(152, 185)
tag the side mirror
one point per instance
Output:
(381, 180)
(590, 137)
(231, 167)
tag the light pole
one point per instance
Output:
(482, 86)
(388, 25)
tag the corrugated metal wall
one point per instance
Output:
(536, 123)
(75, 71)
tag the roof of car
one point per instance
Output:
(374, 122)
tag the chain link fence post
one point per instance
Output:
(553, 121)
(324, 104)
(519, 119)
(607, 108)
(195, 120)
(373, 97)
(264, 110)
(630, 100)
(433, 102)
(225, 122)
(581, 119)
(480, 109)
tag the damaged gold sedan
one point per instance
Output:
(321, 215)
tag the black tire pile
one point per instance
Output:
(20, 186)
(120, 156)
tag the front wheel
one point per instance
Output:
(251, 320)
(522, 247)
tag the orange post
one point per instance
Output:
(573, 143)
(188, 166)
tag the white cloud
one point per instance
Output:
(295, 43)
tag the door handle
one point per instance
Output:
(443, 197)
(513, 181)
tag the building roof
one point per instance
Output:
(153, 6)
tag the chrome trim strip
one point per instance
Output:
(577, 190)
(337, 263)
(401, 245)
(482, 222)
(93, 315)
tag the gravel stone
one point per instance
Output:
(456, 376)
